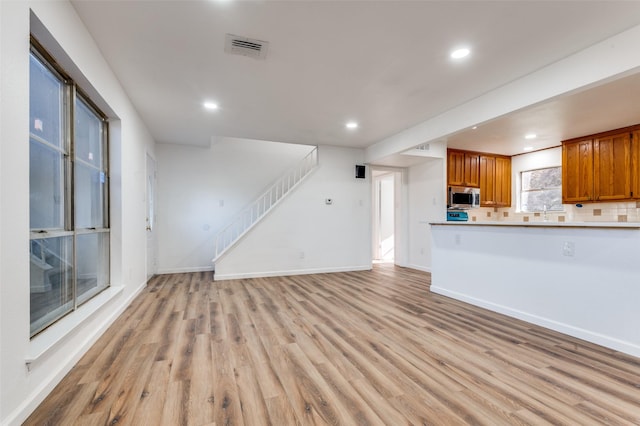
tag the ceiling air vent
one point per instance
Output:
(244, 46)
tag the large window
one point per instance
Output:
(68, 184)
(541, 190)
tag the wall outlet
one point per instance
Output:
(301, 255)
(458, 239)
(569, 248)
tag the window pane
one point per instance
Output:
(51, 279)
(46, 187)
(45, 103)
(88, 135)
(89, 199)
(72, 267)
(93, 264)
(542, 178)
(541, 190)
(548, 199)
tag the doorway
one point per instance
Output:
(384, 216)
(152, 258)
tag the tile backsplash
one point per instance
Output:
(595, 212)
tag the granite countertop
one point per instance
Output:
(623, 225)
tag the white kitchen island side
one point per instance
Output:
(582, 279)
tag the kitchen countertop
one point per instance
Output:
(623, 225)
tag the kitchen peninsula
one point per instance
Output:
(582, 279)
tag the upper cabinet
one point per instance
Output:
(635, 165)
(503, 181)
(487, 180)
(463, 168)
(611, 167)
(601, 167)
(491, 173)
(577, 171)
(495, 181)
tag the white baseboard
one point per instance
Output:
(418, 267)
(185, 270)
(21, 412)
(223, 277)
(580, 333)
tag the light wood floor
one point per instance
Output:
(349, 348)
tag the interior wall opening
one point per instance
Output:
(384, 216)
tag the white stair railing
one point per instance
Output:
(254, 212)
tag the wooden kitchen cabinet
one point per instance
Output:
(489, 172)
(611, 171)
(487, 180)
(635, 165)
(455, 168)
(577, 171)
(503, 182)
(463, 168)
(602, 167)
(495, 181)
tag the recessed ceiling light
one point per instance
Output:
(530, 136)
(527, 148)
(210, 105)
(460, 53)
(474, 127)
(352, 125)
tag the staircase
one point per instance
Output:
(45, 265)
(244, 221)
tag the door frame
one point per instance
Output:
(400, 195)
(151, 216)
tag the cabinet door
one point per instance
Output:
(455, 168)
(611, 160)
(577, 171)
(487, 180)
(503, 182)
(635, 165)
(471, 169)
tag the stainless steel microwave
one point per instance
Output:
(463, 198)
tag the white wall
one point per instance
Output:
(523, 272)
(201, 189)
(305, 235)
(63, 34)
(427, 203)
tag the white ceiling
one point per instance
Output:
(607, 106)
(384, 64)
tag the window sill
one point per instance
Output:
(58, 332)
